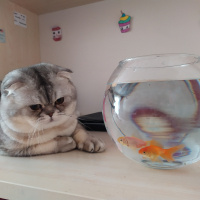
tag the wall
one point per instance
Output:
(92, 44)
(22, 44)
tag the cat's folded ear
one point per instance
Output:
(10, 88)
(64, 73)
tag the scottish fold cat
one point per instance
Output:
(38, 113)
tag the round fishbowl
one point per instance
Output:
(151, 109)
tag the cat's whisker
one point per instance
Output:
(40, 139)
(36, 133)
(68, 115)
(73, 116)
(28, 145)
(32, 134)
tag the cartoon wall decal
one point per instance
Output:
(124, 23)
(57, 33)
(2, 36)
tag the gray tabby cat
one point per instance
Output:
(38, 113)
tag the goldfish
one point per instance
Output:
(132, 142)
(153, 152)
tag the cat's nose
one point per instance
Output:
(49, 110)
(50, 114)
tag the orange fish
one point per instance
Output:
(153, 152)
(132, 142)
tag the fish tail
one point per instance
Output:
(168, 153)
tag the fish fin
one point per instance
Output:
(168, 153)
(148, 143)
(133, 148)
(156, 159)
(155, 143)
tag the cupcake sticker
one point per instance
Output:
(124, 23)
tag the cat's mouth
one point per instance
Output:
(45, 121)
(51, 119)
(54, 119)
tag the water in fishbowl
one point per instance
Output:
(156, 123)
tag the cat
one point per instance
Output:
(38, 113)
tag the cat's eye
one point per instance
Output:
(36, 107)
(59, 101)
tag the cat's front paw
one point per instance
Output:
(91, 144)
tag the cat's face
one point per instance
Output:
(37, 98)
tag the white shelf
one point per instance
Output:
(79, 175)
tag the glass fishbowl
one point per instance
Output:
(151, 109)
